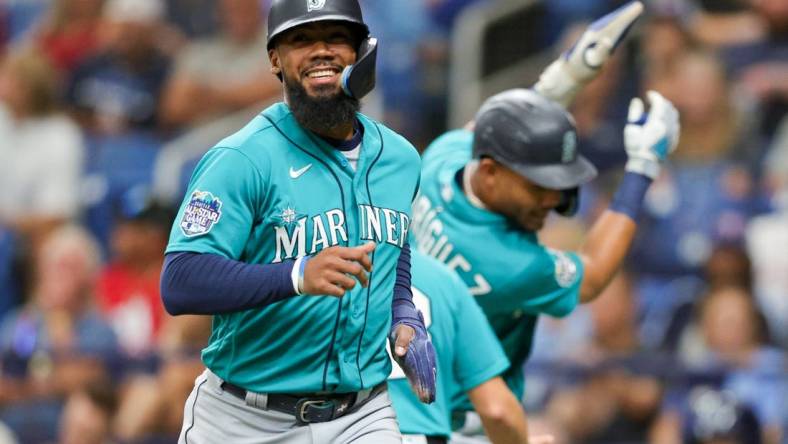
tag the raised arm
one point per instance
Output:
(581, 63)
(649, 138)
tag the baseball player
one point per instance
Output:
(486, 192)
(293, 234)
(469, 359)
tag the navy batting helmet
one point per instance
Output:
(535, 137)
(357, 79)
(288, 14)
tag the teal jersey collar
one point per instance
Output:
(282, 118)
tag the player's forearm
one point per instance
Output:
(501, 414)
(603, 252)
(193, 283)
(403, 310)
(403, 294)
(611, 236)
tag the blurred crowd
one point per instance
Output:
(106, 105)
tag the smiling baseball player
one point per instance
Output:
(293, 234)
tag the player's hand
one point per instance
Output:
(335, 270)
(413, 351)
(650, 135)
(582, 62)
(541, 439)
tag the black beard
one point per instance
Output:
(322, 114)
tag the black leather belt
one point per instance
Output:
(311, 408)
(436, 440)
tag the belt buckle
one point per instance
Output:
(304, 404)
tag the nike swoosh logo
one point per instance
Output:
(295, 174)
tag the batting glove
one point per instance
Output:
(650, 136)
(418, 364)
(581, 63)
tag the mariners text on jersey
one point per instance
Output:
(328, 229)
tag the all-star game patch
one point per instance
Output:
(201, 213)
(565, 268)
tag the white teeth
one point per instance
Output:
(322, 73)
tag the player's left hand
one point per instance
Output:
(582, 62)
(650, 135)
(413, 351)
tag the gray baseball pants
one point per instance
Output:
(213, 416)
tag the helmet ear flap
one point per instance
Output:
(570, 202)
(359, 79)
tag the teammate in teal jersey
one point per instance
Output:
(485, 193)
(280, 222)
(470, 359)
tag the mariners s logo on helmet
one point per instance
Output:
(315, 5)
(569, 147)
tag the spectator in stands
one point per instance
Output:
(707, 196)
(608, 393)
(719, 23)
(128, 287)
(87, 415)
(57, 342)
(664, 40)
(118, 90)
(729, 337)
(152, 405)
(761, 66)
(42, 149)
(194, 18)
(715, 417)
(728, 266)
(224, 74)
(70, 33)
(767, 241)
(21, 17)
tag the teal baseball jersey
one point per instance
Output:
(513, 277)
(468, 353)
(274, 192)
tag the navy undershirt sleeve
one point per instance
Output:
(194, 283)
(403, 310)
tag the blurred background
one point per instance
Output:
(106, 106)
